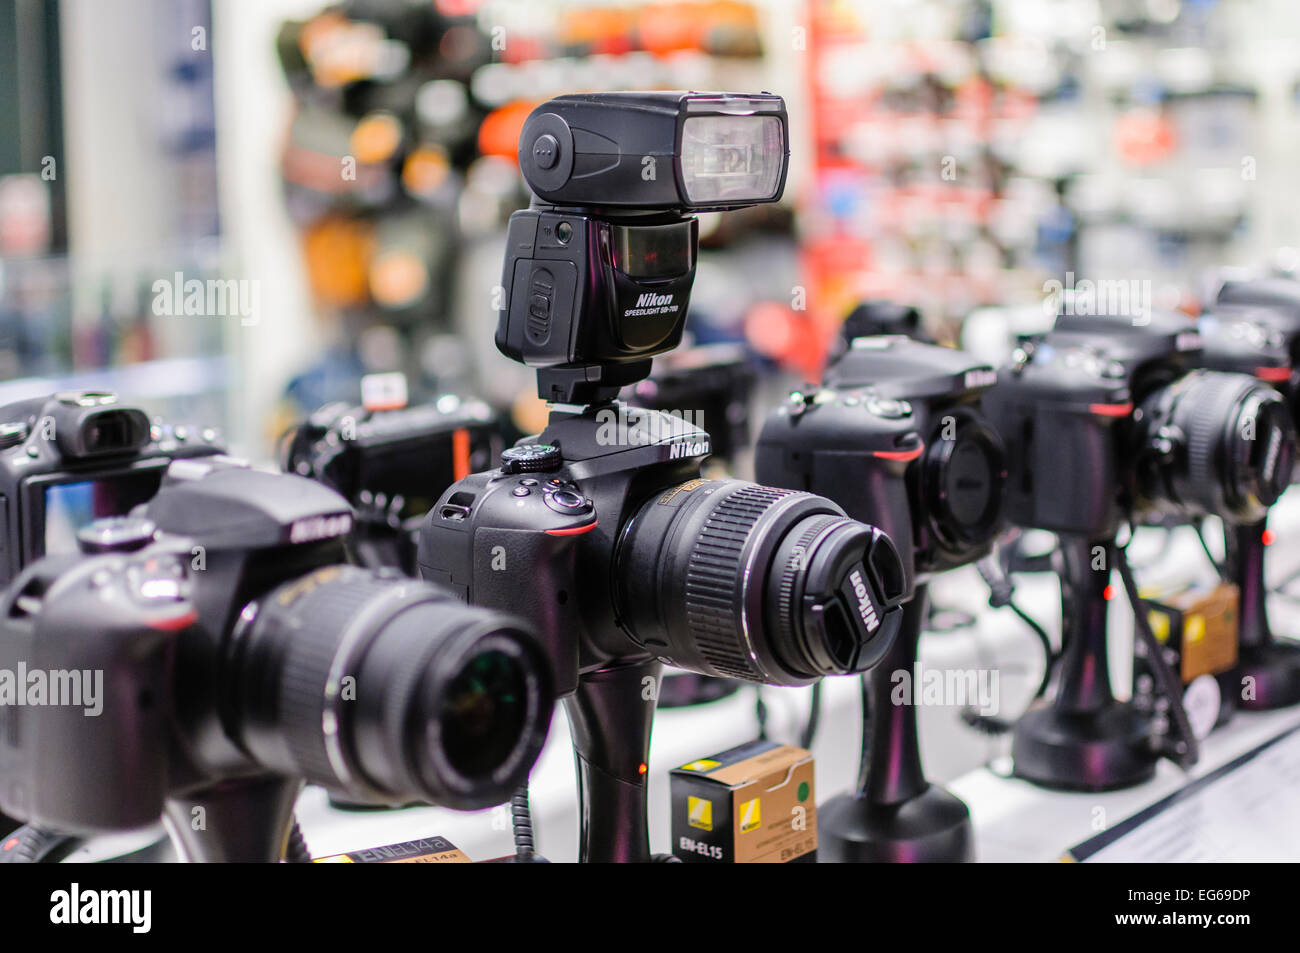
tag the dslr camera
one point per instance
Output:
(392, 464)
(1110, 420)
(600, 530)
(1254, 328)
(73, 457)
(210, 652)
(895, 435)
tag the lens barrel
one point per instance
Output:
(963, 476)
(729, 578)
(388, 689)
(1215, 443)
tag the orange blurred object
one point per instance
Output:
(337, 252)
(425, 170)
(376, 137)
(602, 29)
(499, 134)
(670, 27)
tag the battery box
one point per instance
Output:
(426, 850)
(1197, 631)
(753, 804)
(1199, 625)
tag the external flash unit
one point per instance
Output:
(598, 271)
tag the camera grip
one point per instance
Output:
(531, 575)
(117, 733)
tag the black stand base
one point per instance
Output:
(683, 689)
(1274, 671)
(1101, 750)
(932, 827)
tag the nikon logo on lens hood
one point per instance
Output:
(866, 608)
(320, 527)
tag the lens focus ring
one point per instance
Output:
(715, 566)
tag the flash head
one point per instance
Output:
(657, 151)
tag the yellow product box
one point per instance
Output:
(753, 804)
(426, 850)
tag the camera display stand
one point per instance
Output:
(244, 821)
(1271, 666)
(895, 815)
(606, 713)
(1084, 739)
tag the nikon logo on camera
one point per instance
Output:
(320, 527)
(651, 300)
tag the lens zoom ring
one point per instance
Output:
(712, 609)
(307, 668)
(1205, 430)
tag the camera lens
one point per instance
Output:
(962, 477)
(484, 713)
(729, 578)
(388, 689)
(1214, 443)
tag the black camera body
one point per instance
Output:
(241, 656)
(391, 465)
(73, 457)
(895, 436)
(613, 495)
(1149, 433)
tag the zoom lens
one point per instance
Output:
(1214, 443)
(388, 689)
(728, 578)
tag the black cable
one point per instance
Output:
(36, 845)
(1219, 567)
(1165, 677)
(521, 817)
(295, 851)
(1001, 593)
(760, 712)
(814, 717)
(1050, 655)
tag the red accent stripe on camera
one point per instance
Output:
(1111, 410)
(175, 623)
(903, 455)
(574, 530)
(1273, 374)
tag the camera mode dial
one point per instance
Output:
(531, 458)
